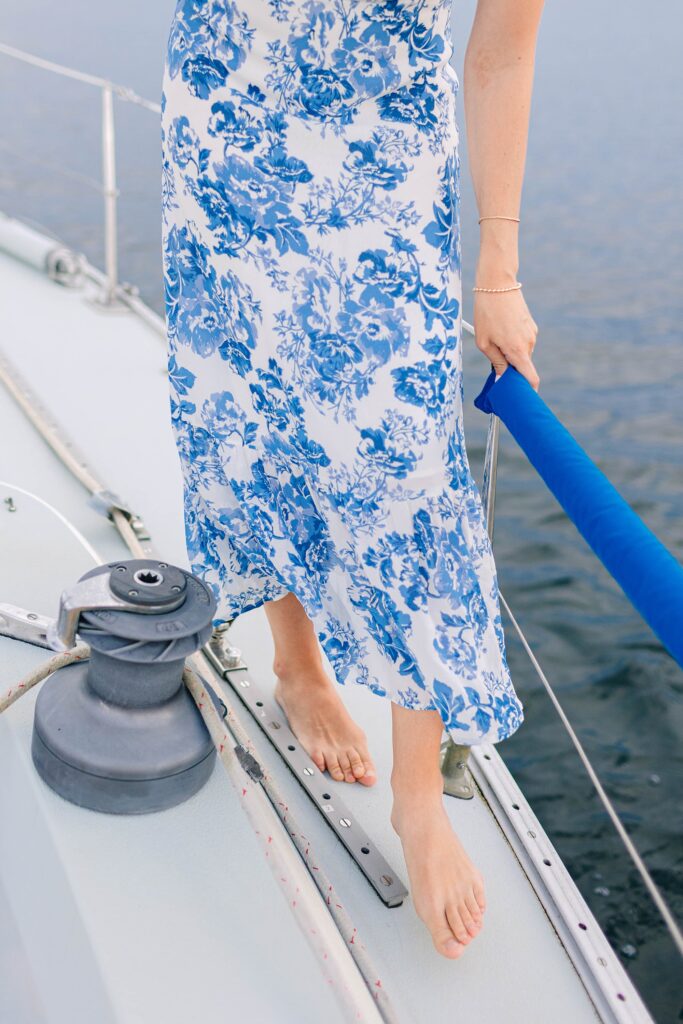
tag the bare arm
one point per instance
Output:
(497, 86)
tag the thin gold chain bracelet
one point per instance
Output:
(498, 216)
(511, 288)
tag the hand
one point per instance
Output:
(505, 332)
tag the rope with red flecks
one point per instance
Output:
(368, 1001)
(247, 789)
(77, 653)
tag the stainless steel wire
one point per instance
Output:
(649, 882)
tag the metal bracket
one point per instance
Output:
(105, 502)
(456, 775)
(20, 624)
(269, 716)
(224, 656)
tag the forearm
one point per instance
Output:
(497, 86)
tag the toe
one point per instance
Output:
(451, 948)
(478, 889)
(474, 908)
(369, 777)
(457, 925)
(318, 759)
(334, 768)
(468, 920)
(445, 943)
(356, 761)
(345, 765)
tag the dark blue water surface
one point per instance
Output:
(601, 259)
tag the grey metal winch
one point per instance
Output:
(119, 732)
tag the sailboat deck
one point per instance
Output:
(175, 916)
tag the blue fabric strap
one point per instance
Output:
(648, 574)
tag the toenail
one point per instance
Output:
(451, 946)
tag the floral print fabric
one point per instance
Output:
(311, 253)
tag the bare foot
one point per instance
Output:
(324, 728)
(446, 887)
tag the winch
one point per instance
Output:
(119, 732)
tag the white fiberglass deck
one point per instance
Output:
(175, 916)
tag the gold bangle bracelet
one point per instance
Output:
(511, 288)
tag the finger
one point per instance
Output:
(495, 356)
(524, 365)
(500, 365)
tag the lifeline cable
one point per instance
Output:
(650, 884)
(536, 429)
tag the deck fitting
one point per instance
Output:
(456, 775)
(324, 794)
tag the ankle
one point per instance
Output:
(290, 670)
(304, 677)
(413, 790)
(411, 814)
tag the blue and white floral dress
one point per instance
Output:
(311, 255)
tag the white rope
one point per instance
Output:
(77, 653)
(303, 844)
(328, 929)
(669, 920)
(332, 936)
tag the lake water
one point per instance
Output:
(601, 258)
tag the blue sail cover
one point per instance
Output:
(649, 575)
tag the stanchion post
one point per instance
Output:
(110, 193)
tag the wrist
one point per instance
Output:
(495, 273)
(498, 252)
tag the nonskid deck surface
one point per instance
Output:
(176, 915)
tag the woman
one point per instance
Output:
(311, 245)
